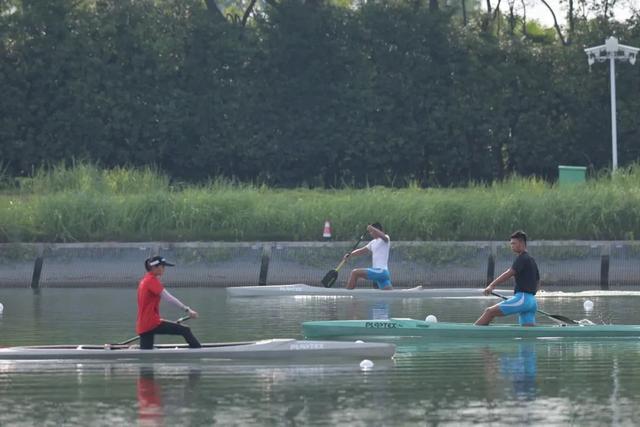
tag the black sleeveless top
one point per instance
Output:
(527, 274)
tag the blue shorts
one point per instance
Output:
(524, 304)
(380, 276)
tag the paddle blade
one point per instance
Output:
(330, 278)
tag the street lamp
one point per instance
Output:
(611, 50)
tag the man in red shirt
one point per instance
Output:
(150, 292)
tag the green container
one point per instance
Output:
(571, 174)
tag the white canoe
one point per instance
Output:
(302, 289)
(593, 293)
(280, 349)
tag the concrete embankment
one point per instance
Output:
(563, 264)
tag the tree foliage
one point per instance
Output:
(320, 93)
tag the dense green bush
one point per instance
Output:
(307, 94)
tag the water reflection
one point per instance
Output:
(431, 383)
(521, 368)
(295, 392)
(539, 382)
(151, 410)
(158, 394)
(518, 365)
(380, 311)
(506, 368)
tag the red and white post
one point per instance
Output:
(326, 232)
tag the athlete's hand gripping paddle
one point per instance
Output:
(330, 278)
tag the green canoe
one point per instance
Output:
(419, 328)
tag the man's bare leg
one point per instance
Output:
(358, 273)
(489, 314)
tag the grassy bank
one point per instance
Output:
(85, 203)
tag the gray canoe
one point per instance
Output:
(302, 289)
(281, 349)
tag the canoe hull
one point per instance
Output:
(279, 349)
(302, 290)
(442, 330)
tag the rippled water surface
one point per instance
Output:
(505, 382)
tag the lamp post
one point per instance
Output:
(611, 50)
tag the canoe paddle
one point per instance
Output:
(330, 278)
(132, 339)
(556, 317)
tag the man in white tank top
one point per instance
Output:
(379, 250)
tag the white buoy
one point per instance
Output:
(359, 342)
(1, 308)
(431, 319)
(366, 365)
(588, 305)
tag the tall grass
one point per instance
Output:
(86, 203)
(85, 177)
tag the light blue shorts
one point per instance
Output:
(524, 304)
(380, 276)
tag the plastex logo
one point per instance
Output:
(380, 325)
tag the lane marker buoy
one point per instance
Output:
(366, 365)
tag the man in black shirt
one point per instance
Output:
(526, 273)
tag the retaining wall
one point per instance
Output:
(570, 265)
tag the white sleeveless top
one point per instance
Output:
(379, 252)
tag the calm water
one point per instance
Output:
(550, 382)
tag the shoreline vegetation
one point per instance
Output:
(312, 92)
(86, 203)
